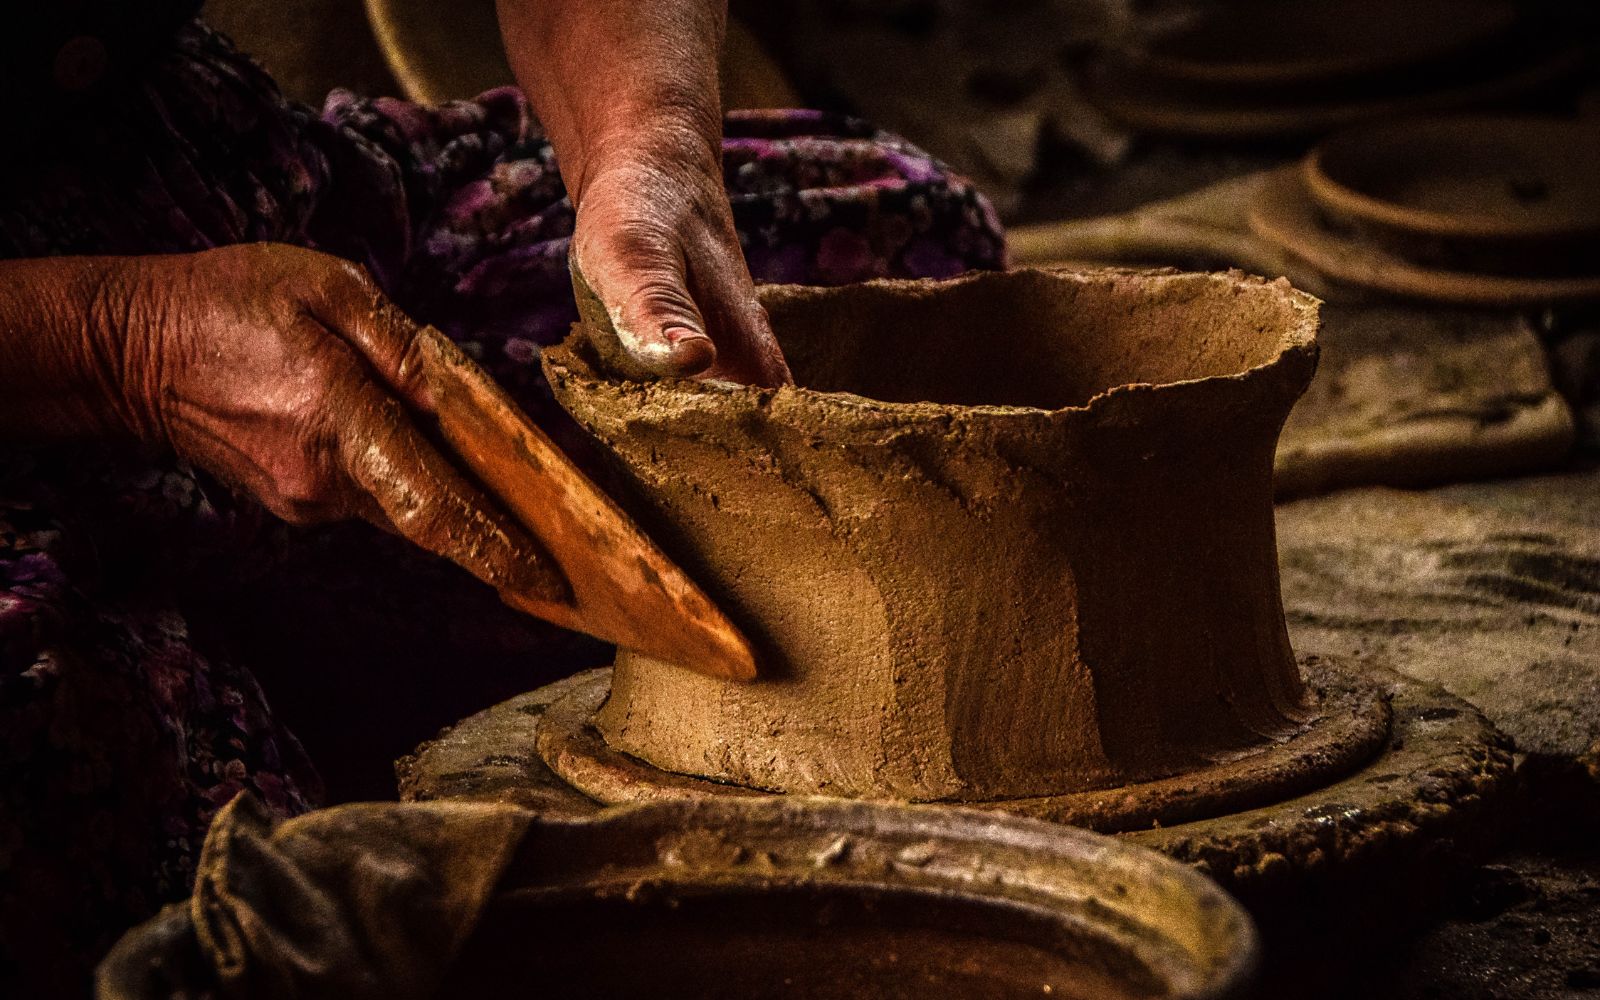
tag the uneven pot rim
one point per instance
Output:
(1175, 922)
(1296, 346)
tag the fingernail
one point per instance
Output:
(691, 350)
(680, 334)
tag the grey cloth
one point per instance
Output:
(371, 900)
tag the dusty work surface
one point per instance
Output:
(1492, 590)
(1524, 927)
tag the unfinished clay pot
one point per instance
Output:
(1009, 535)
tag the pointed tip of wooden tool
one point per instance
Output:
(713, 648)
(624, 589)
(641, 600)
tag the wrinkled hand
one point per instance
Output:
(628, 94)
(286, 373)
(655, 241)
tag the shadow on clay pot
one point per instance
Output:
(1009, 535)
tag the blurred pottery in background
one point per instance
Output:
(1260, 70)
(1466, 210)
(1275, 43)
(1499, 194)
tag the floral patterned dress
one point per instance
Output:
(140, 602)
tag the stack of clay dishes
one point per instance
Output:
(1469, 210)
(1261, 69)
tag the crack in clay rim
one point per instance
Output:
(1297, 337)
(1351, 732)
(1176, 923)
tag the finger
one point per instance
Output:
(747, 350)
(424, 498)
(350, 304)
(637, 271)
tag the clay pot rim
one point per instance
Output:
(1205, 947)
(1295, 341)
(1324, 170)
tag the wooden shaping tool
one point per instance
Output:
(624, 589)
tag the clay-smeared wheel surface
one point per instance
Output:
(1427, 797)
(821, 899)
(1010, 535)
(1350, 727)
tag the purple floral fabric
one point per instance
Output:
(139, 602)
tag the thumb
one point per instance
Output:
(633, 295)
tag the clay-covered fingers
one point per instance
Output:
(747, 350)
(664, 260)
(408, 486)
(350, 304)
(637, 271)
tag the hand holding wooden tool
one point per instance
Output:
(622, 587)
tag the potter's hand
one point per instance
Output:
(655, 242)
(282, 371)
(628, 92)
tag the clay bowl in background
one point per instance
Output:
(1511, 194)
(1283, 214)
(1166, 107)
(1274, 43)
(835, 900)
(1262, 69)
